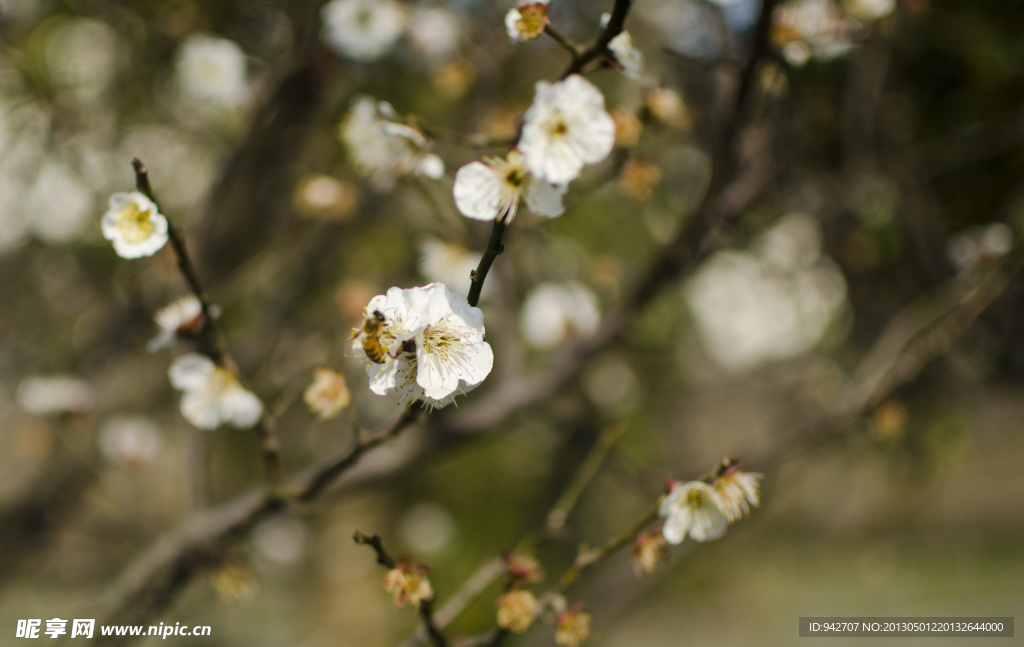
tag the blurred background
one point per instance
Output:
(881, 191)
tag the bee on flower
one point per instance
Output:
(427, 344)
(134, 225)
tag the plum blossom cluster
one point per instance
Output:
(704, 509)
(565, 128)
(384, 148)
(424, 343)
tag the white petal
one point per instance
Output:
(545, 199)
(477, 191)
(383, 376)
(190, 372)
(241, 407)
(708, 523)
(511, 19)
(431, 166)
(676, 525)
(594, 137)
(200, 408)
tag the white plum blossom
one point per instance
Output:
(434, 343)
(554, 313)
(363, 30)
(134, 225)
(527, 20)
(493, 188)
(630, 58)
(384, 149)
(180, 318)
(212, 395)
(211, 70)
(693, 509)
(565, 127)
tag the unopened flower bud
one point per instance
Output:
(522, 568)
(408, 584)
(649, 550)
(573, 627)
(516, 611)
(527, 21)
(638, 179)
(666, 106)
(627, 127)
(328, 394)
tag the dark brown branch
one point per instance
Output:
(210, 341)
(153, 581)
(562, 40)
(599, 48)
(188, 271)
(494, 247)
(322, 477)
(377, 544)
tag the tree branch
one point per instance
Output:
(211, 342)
(599, 47)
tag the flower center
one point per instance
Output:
(515, 177)
(534, 17)
(135, 224)
(221, 381)
(558, 127)
(440, 341)
(695, 499)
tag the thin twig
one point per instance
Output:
(583, 476)
(185, 265)
(589, 558)
(475, 140)
(326, 474)
(599, 48)
(494, 247)
(563, 40)
(425, 607)
(211, 341)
